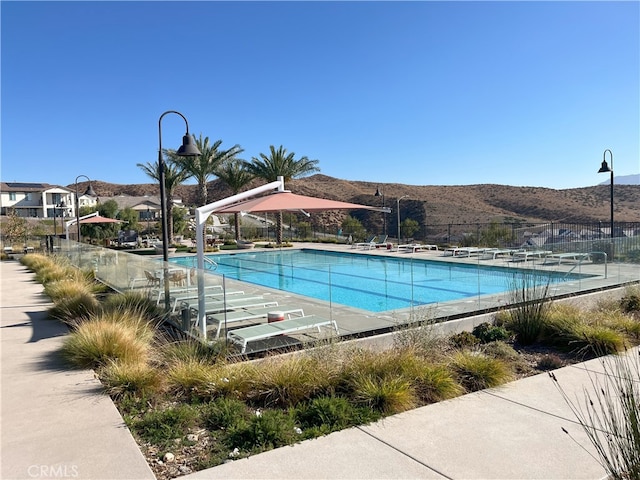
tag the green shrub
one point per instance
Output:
(161, 427)
(328, 414)
(225, 413)
(265, 430)
(476, 371)
(485, 332)
(463, 339)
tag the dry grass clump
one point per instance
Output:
(131, 378)
(476, 371)
(286, 381)
(124, 335)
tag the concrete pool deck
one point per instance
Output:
(449, 317)
(57, 423)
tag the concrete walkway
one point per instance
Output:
(57, 424)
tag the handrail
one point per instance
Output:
(211, 262)
(580, 262)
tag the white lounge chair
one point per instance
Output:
(218, 320)
(416, 247)
(242, 336)
(557, 258)
(235, 302)
(525, 255)
(367, 244)
(494, 253)
(463, 251)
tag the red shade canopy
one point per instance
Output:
(280, 201)
(99, 219)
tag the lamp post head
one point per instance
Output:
(90, 192)
(604, 168)
(188, 148)
(378, 193)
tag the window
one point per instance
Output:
(12, 196)
(27, 197)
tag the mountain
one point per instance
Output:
(432, 204)
(623, 180)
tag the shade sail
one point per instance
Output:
(98, 219)
(287, 201)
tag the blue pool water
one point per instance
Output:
(369, 282)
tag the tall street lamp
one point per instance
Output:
(89, 191)
(398, 208)
(380, 193)
(604, 168)
(187, 149)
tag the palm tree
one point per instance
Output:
(173, 176)
(281, 164)
(236, 175)
(201, 167)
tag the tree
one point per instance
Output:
(352, 226)
(15, 228)
(236, 175)
(173, 176)
(204, 165)
(408, 227)
(281, 164)
(129, 219)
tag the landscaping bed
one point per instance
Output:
(191, 406)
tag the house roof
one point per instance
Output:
(28, 187)
(135, 202)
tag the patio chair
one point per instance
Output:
(152, 279)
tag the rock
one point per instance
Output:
(169, 457)
(192, 437)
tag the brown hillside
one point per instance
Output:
(442, 204)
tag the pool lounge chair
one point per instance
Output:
(493, 253)
(242, 336)
(416, 247)
(368, 244)
(557, 258)
(236, 302)
(460, 252)
(219, 320)
(524, 255)
(213, 292)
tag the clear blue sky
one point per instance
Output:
(420, 93)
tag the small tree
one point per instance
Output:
(15, 228)
(353, 226)
(408, 227)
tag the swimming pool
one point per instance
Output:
(370, 282)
